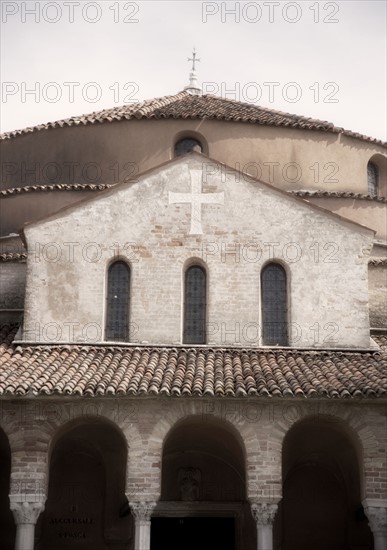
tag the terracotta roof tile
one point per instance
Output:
(13, 257)
(186, 106)
(378, 262)
(87, 370)
(56, 187)
(338, 195)
(381, 340)
(102, 186)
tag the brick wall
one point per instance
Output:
(325, 258)
(259, 427)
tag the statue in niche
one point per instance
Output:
(190, 480)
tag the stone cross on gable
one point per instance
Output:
(196, 199)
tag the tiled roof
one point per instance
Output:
(381, 340)
(379, 262)
(56, 187)
(186, 106)
(80, 370)
(338, 195)
(102, 186)
(22, 257)
(13, 257)
(7, 334)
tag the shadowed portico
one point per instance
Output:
(322, 488)
(86, 505)
(7, 525)
(203, 489)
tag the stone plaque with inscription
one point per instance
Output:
(74, 514)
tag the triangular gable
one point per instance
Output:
(211, 164)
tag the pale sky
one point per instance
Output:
(324, 60)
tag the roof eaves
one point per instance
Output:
(151, 108)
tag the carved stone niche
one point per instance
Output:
(190, 484)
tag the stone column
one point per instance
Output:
(376, 512)
(264, 514)
(142, 512)
(26, 515)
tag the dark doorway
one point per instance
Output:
(86, 491)
(314, 510)
(321, 504)
(193, 533)
(204, 462)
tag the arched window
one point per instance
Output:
(195, 305)
(274, 305)
(372, 178)
(117, 306)
(187, 145)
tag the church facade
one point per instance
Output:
(194, 304)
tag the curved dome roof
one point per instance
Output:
(187, 106)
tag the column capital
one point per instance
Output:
(26, 512)
(142, 511)
(376, 512)
(263, 512)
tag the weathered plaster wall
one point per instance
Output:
(377, 281)
(19, 209)
(111, 152)
(366, 212)
(69, 255)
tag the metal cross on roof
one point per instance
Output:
(193, 59)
